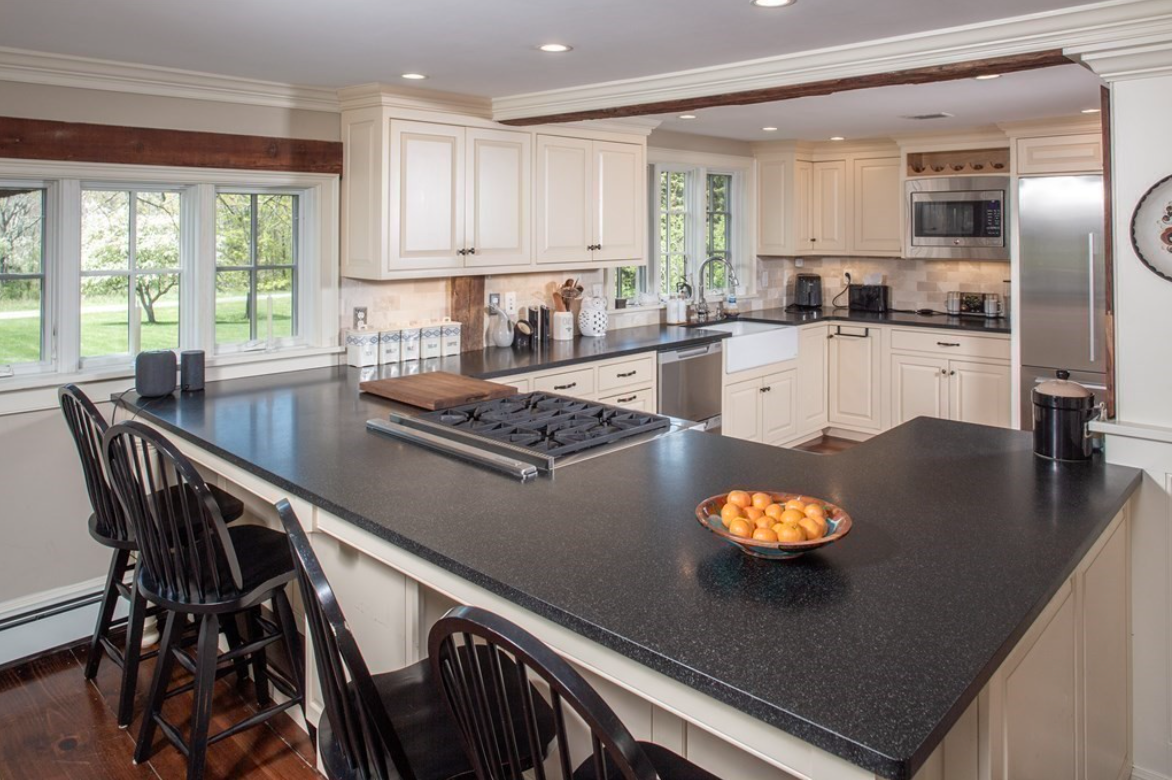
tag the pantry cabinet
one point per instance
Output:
(855, 377)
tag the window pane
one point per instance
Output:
(157, 230)
(22, 230)
(233, 307)
(233, 228)
(627, 282)
(718, 234)
(105, 230)
(157, 295)
(276, 229)
(20, 320)
(719, 185)
(676, 235)
(678, 191)
(274, 293)
(104, 304)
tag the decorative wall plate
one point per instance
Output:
(1151, 228)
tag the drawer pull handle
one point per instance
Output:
(627, 399)
(947, 344)
(766, 389)
(864, 335)
(627, 374)
(565, 387)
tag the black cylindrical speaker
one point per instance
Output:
(191, 370)
(154, 373)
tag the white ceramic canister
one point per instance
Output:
(430, 340)
(362, 348)
(388, 346)
(563, 326)
(592, 319)
(409, 344)
(451, 339)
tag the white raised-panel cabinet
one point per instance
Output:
(877, 199)
(1060, 154)
(742, 410)
(773, 205)
(427, 196)
(804, 206)
(564, 209)
(813, 345)
(855, 377)
(635, 400)
(830, 206)
(778, 406)
(979, 392)
(919, 387)
(618, 203)
(498, 197)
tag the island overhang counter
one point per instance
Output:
(975, 575)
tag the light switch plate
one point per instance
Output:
(510, 303)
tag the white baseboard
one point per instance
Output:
(1138, 773)
(40, 635)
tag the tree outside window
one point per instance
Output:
(22, 274)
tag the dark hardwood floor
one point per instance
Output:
(55, 725)
(827, 445)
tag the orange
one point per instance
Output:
(778, 527)
(764, 521)
(815, 510)
(791, 516)
(762, 500)
(812, 528)
(740, 498)
(753, 512)
(796, 503)
(765, 535)
(791, 534)
(774, 510)
(741, 527)
(729, 513)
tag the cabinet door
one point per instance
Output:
(563, 207)
(877, 220)
(854, 378)
(1106, 660)
(811, 379)
(919, 388)
(804, 206)
(619, 201)
(497, 197)
(830, 206)
(773, 206)
(979, 392)
(427, 196)
(779, 422)
(741, 415)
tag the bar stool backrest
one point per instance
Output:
(87, 425)
(472, 681)
(362, 729)
(182, 539)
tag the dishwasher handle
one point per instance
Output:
(679, 355)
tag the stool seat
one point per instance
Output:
(231, 508)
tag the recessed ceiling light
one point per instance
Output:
(687, 116)
(414, 76)
(769, 129)
(837, 138)
(773, 3)
(988, 77)
(1091, 110)
(555, 48)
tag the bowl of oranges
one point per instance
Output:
(768, 524)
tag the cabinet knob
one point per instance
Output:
(952, 373)
(461, 251)
(472, 250)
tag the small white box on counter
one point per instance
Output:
(451, 339)
(389, 346)
(430, 341)
(409, 344)
(362, 347)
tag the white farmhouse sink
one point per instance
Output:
(754, 344)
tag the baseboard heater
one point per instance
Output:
(50, 610)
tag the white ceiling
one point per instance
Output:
(469, 46)
(872, 113)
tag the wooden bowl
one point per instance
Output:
(838, 522)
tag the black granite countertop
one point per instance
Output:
(870, 649)
(805, 317)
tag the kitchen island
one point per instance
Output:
(888, 654)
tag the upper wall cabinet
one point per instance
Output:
(1081, 153)
(427, 197)
(498, 202)
(591, 198)
(877, 198)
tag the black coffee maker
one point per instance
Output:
(808, 291)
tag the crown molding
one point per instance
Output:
(59, 70)
(1077, 30)
(1141, 56)
(378, 95)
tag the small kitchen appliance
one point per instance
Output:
(988, 305)
(154, 373)
(191, 370)
(808, 291)
(1062, 411)
(958, 217)
(869, 297)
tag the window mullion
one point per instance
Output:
(133, 315)
(197, 268)
(63, 272)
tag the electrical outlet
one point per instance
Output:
(360, 318)
(511, 303)
(494, 299)
(799, 262)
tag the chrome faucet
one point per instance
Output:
(701, 304)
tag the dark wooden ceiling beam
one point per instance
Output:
(39, 139)
(925, 75)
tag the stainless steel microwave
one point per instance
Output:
(961, 218)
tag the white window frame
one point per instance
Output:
(317, 267)
(48, 280)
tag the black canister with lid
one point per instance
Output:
(1062, 410)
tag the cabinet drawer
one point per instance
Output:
(578, 383)
(629, 373)
(950, 343)
(642, 400)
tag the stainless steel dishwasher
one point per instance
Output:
(690, 383)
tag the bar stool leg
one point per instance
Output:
(163, 666)
(206, 657)
(131, 656)
(118, 562)
(232, 634)
(260, 663)
(292, 641)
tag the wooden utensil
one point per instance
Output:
(436, 390)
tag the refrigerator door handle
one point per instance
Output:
(1091, 293)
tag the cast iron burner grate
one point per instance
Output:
(549, 424)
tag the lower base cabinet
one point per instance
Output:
(963, 390)
(762, 409)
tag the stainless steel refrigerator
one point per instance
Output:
(1062, 297)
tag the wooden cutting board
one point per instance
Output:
(437, 390)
